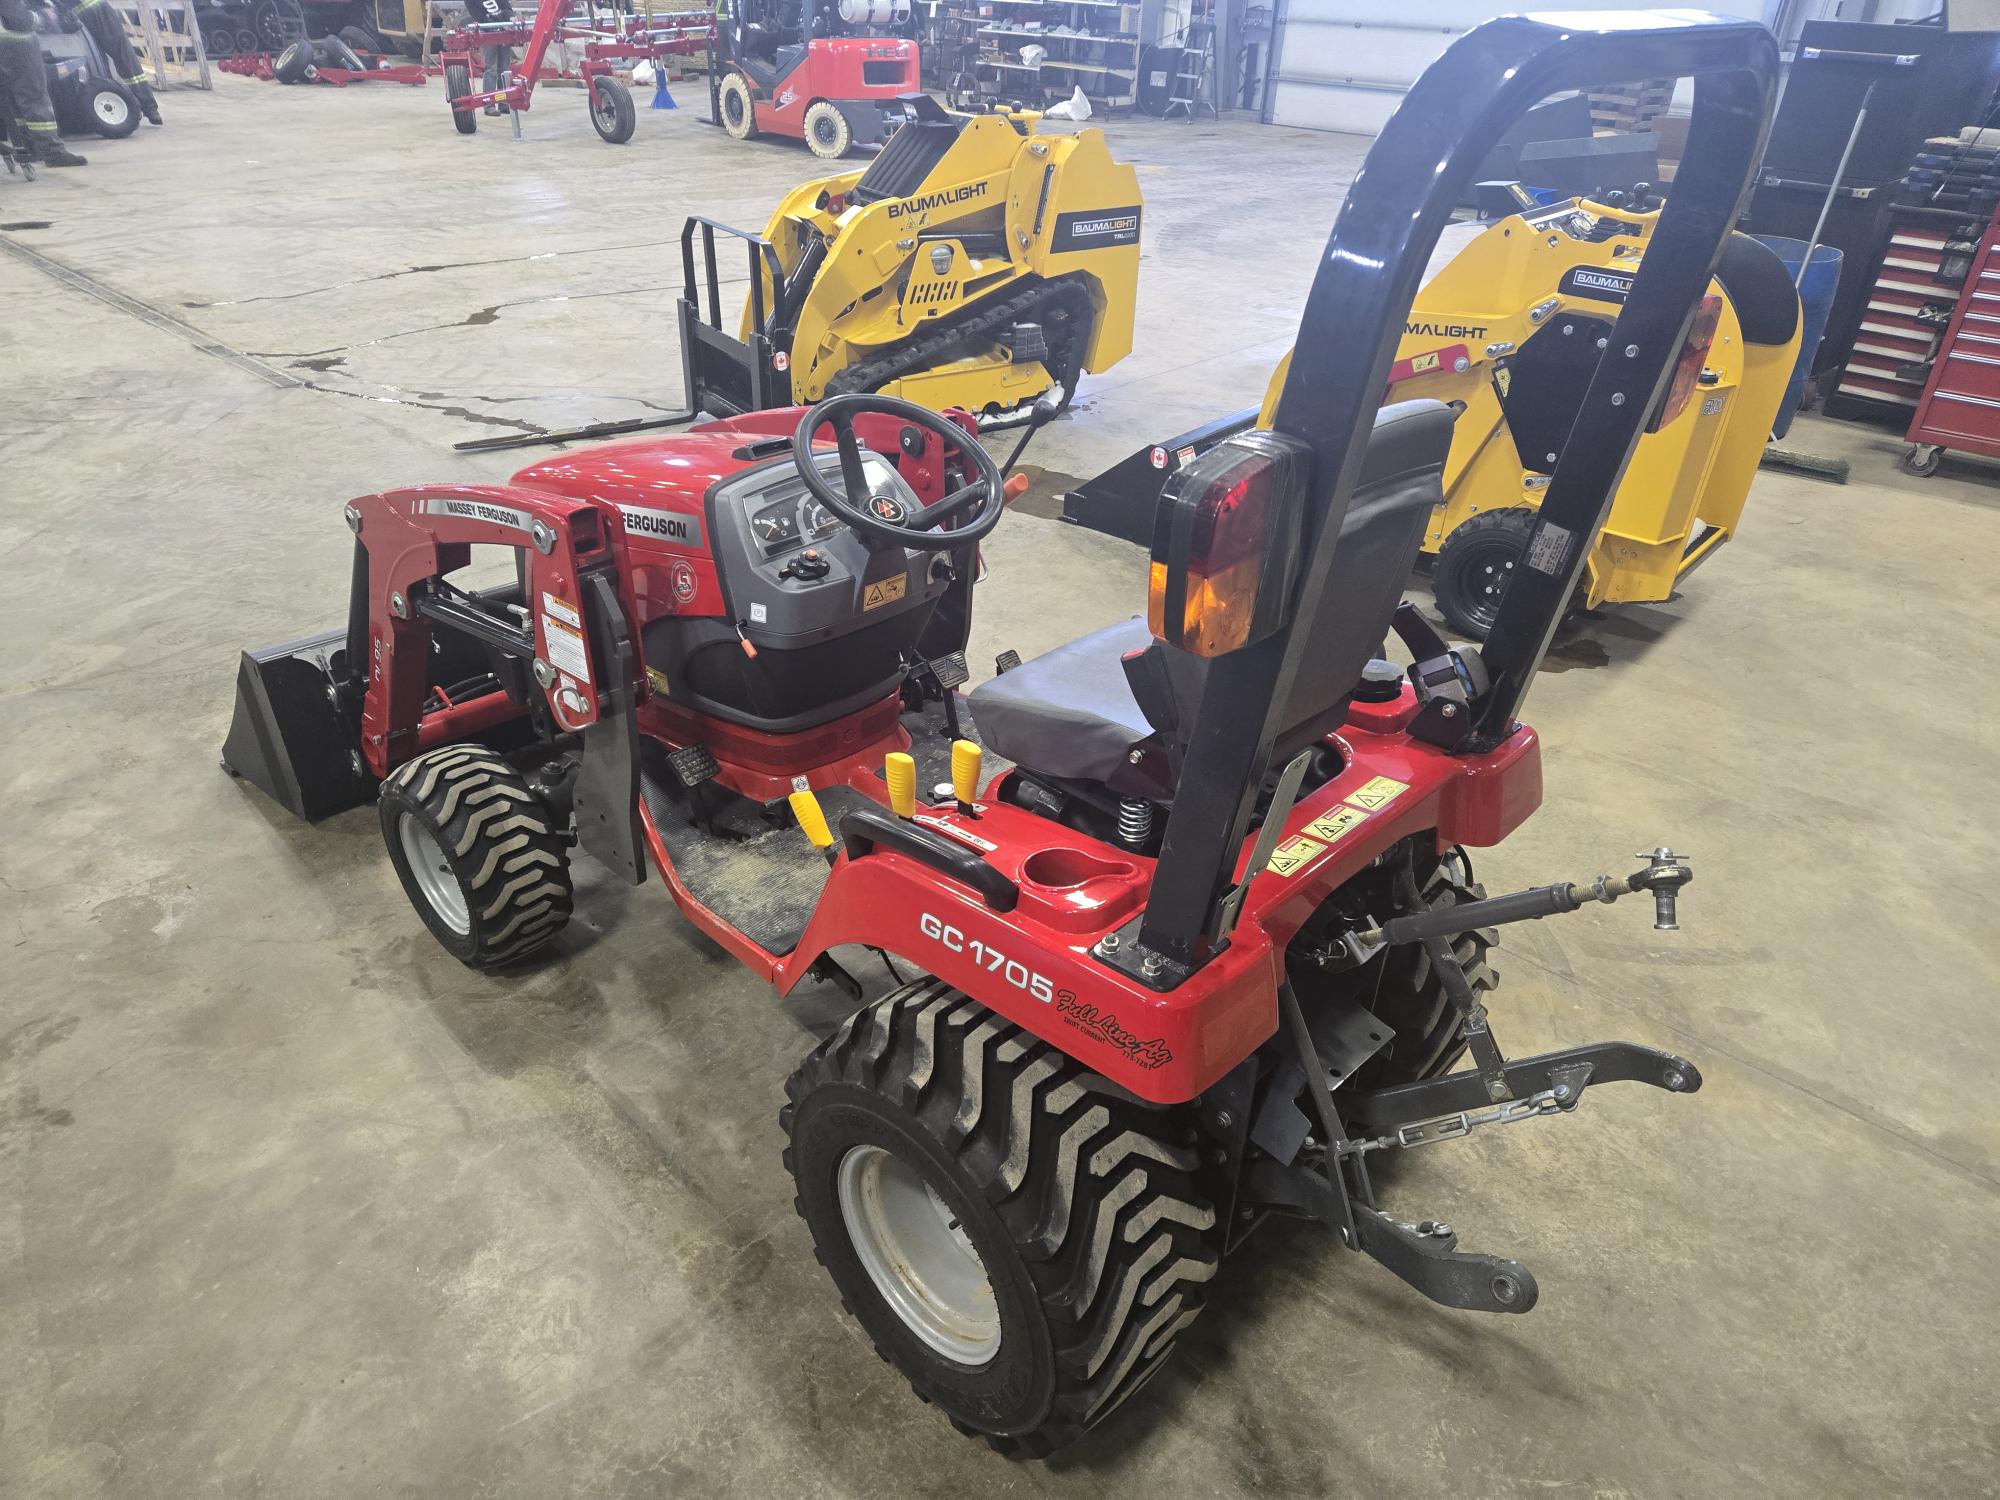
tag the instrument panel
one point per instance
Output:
(790, 523)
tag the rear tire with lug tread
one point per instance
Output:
(1077, 1209)
(457, 84)
(735, 108)
(1429, 1033)
(828, 135)
(1472, 567)
(478, 854)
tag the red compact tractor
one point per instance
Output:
(1204, 944)
(831, 73)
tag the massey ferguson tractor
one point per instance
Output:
(1191, 897)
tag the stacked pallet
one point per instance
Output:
(1630, 106)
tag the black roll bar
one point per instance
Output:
(1416, 171)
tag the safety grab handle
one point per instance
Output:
(867, 829)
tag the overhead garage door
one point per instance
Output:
(1345, 64)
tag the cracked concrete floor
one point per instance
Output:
(291, 1204)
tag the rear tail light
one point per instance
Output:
(1694, 355)
(1226, 544)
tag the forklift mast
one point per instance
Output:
(1418, 169)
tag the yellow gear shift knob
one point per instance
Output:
(901, 772)
(965, 758)
(812, 818)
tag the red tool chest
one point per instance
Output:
(1960, 406)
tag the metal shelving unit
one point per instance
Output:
(1087, 44)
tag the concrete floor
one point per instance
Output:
(292, 1204)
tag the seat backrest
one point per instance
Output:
(1401, 481)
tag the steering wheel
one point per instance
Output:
(886, 520)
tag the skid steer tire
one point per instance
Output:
(478, 854)
(1089, 1239)
(1429, 1032)
(734, 108)
(1473, 565)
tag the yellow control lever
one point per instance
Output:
(901, 772)
(812, 818)
(965, 758)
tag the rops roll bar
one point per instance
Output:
(1416, 171)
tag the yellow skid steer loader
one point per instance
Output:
(976, 262)
(1508, 333)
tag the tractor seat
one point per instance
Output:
(1069, 713)
(1075, 714)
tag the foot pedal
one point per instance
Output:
(694, 765)
(1028, 344)
(1005, 662)
(951, 671)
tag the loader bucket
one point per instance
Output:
(291, 737)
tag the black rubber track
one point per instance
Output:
(502, 846)
(1101, 1208)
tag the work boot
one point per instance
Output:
(53, 153)
(149, 103)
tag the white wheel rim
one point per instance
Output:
(110, 108)
(918, 1255)
(434, 878)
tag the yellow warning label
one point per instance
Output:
(1378, 793)
(1289, 855)
(657, 678)
(1419, 363)
(1330, 826)
(888, 591)
(1502, 379)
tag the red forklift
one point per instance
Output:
(1190, 899)
(831, 73)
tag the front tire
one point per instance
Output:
(734, 107)
(298, 63)
(611, 111)
(478, 853)
(827, 132)
(1024, 1242)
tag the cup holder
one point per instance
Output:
(1066, 869)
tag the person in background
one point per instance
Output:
(498, 58)
(101, 21)
(27, 85)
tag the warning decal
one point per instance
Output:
(1332, 825)
(888, 591)
(1378, 793)
(565, 651)
(1288, 856)
(563, 610)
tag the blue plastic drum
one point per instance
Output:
(1816, 291)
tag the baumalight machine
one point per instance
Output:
(1510, 333)
(975, 263)
(1205, 946)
